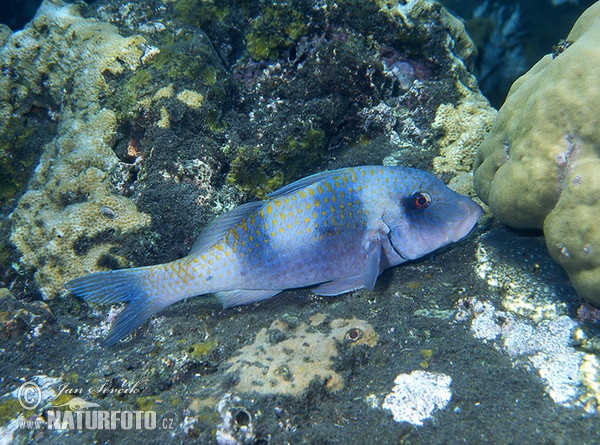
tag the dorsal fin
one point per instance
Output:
(304, 182)
(217, 229)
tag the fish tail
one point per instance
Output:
(128, 286)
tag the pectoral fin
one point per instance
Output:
(366, 279)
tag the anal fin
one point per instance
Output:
(238, 297)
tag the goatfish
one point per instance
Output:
(335, 231)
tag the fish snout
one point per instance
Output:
(471, 212)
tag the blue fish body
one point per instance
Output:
(336, 230)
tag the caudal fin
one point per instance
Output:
(119, 286)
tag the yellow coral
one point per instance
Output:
(465, 126)
(70, 193)
(539, 166)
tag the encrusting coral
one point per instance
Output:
(62, 57)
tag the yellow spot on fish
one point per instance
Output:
(302, 194)
(290, 213)
(326, 200)
(272, 234)
(269, 209)
(342, 194)
(219, 247)
(314, 215)
(306, 220)
(282, 216)
(277, 203)
(308, 206)
(371, 172)
(281, 230)
(320, 188)
(262, 213)
(195, 260)
(311, 192)
(258, 231)
(317, 203)
(328, 186)
(286, 200)
(203, 257)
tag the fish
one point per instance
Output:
(335, 231)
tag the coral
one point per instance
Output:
(464, 125)
(539, 166)
(64, 58)
(416, 396)
(17, 158)
(285, 359)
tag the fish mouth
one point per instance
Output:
(468, 225)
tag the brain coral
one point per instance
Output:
(540, 165)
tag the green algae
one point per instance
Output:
(251, 172)
(146, 403)
(276, 29)
(10, 409)
(200, 350)
(201, 12)
(258, 174)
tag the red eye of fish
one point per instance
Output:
(421, 200)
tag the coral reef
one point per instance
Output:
(285, 359)
(71, 185)
(538, 168)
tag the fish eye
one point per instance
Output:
(421, 200)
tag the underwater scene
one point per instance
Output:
(300, 222)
